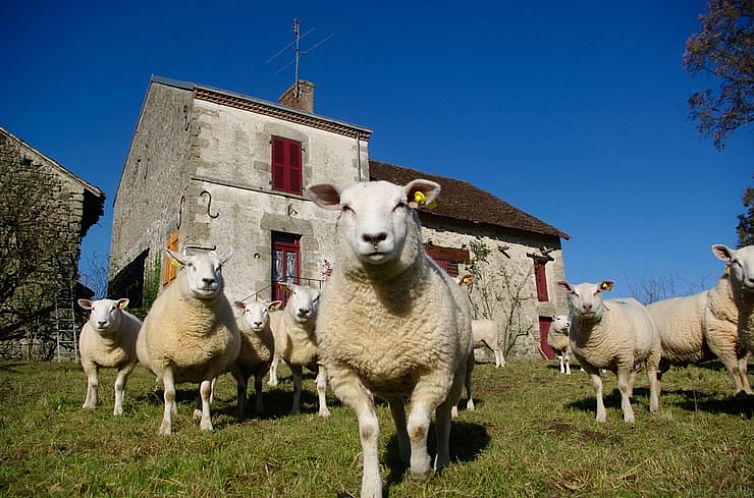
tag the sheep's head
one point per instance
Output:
(741, 264)
(586, 299)
(256, 314)
(561, 323)
(203, 272)
(375, 215)
(105, 313)
(303, 302)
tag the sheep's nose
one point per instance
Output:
(102, 323)
(208, 281)
(258, 324)
(587, 307)
(751, 280)
(374, 238)
(303, 311)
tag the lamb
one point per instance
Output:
(108, 339)
(617, 335)
(485, 333)
(703, 326)
(296, 343)
(257, 350)
(557, 339)
(391, 323)
(190, 333)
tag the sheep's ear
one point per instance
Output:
(324, 195)
(123, 302)
(723, 252)
(565, 285)
(176, 256)
(421, 193)
(239, 304)
(607, 285)
(85, 304)
(273, 305)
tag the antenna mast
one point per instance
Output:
(297, 52)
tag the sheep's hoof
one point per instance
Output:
(454, 412)
(600, 419)
(324, 412)
(743, 395)
(165, 429)
(206, 426)
(197, 415)
(420, 475)
(88, 407)
(118, 411)
(470, 406)
(629, 419)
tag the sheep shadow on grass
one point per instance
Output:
(694, 401)
(467, 441)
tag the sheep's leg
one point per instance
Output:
(322, 391)
(470, 360)
(297, 372)
(562, 366)
(567, 360)
(498, 357)
(120, 389)
(241, 389)
(624, 386)
(418, 429)
(352, 392)
(398, 411)
(594, 374)
(258, 404)
(631, 383)
(205, 390)
(273, 380)
(92, 382)
(654, 389)
(442, 429)
(737, 368)
(742, 372)
(170, 408)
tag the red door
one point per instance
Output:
(285, 263)
(544, 330)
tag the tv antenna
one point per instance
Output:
(297, 51)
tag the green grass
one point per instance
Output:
(533, 434)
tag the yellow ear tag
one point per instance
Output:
(175, 262)
(122, 305)
(274, 308)
(727, 269)
(604, 286)
(421, 200)
(466, 280)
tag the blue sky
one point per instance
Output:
(575, 112)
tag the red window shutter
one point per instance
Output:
(278, 163)
(294, 171)
(541, 282)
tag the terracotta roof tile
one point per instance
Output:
(463, 201)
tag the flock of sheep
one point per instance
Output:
(391, 323)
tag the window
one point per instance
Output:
(170, 269)
(540, 277)
(285, 262)
(286, 165)
(447, 258)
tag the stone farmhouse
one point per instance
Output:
(38, 289)
(213, 168)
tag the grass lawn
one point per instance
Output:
(533, 434)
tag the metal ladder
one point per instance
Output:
(67, 344)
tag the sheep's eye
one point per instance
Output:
(735, 262)
(346, 208)
(400, 205)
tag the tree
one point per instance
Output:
(745, 228)
(37, 244)
(724, 49)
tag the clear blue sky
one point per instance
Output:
(572, 111)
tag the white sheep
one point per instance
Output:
(390, 322)
(485, 333)
(557, 339)
(741, 267)
(108, 339)
(705, 325)
(296, 342)
(617, 335)
(257, 350)
(190, 333)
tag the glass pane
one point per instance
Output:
(290, 266)
(277, 265)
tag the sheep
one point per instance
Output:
(557, 339)
(485, 333)
(257, 350)
(741, 267)
(617, 335)
(190, 333)
(108, 339)
(705, 325)
(391, 323)
(296, 343)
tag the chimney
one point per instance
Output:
(304, 101)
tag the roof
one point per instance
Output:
(94, 197)
(462, 201)
(241, 101)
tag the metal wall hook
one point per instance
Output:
(180, 211)
(209, 204)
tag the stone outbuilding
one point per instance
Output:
(214, 168)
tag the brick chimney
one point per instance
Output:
(305, 99)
